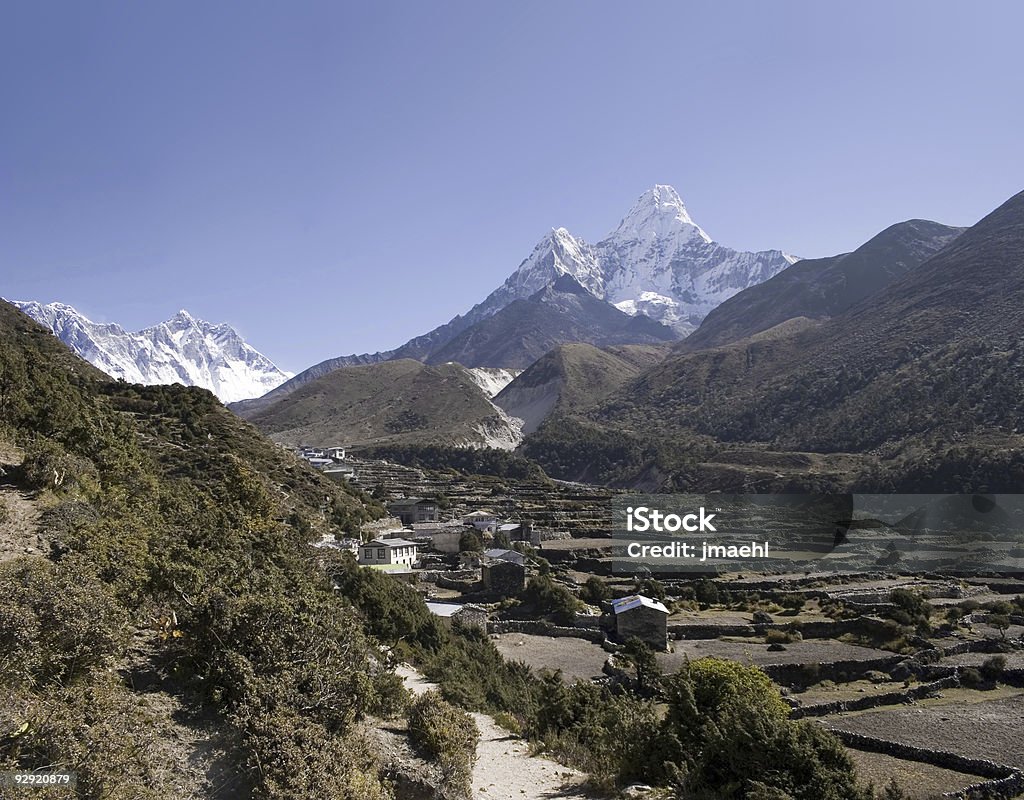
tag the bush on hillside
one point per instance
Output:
(448, 734)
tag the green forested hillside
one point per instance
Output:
(179, 562)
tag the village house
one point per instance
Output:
(388, 552)
(345, 544)
(520, 532)
(339, 472)
(444, 536)
(503, 572)
(411, 510)
(642, 617)
(482, 520)
(499, 554)
(466, 615)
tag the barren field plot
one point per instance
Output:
(971, 723)
(579, 543)
(577, 658)
(918, 781)
(1014, 660)
(812, 651)
(712, 616)
(829, 692)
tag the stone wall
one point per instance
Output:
(1003, 781)
(540, 628)
(504, 578)
(838, 671)
(877, 700)
(646, 624)
(822, 629)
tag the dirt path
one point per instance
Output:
(504, 769)
(19, 525)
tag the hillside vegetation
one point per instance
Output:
(180, 561)
(818, 288)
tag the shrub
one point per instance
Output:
(782, 637)
(595, 591)
(57, 622)
(442, 731)
(706, 592)
(971, 677)
(297, 758)
(550, 598)
(725, 720)
(471, 542)
(641, 656)
(650, 587)
(47, 465)
(97, 728)
(1000, 622)
(893, 791)
(510, 723)
(993, 667)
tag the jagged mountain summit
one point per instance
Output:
(657, 263)
(181, 350)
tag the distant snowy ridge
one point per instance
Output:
(658, 262)
(181, 350)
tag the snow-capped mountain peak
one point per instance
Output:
(557, 253)
(657, 262)
(659, 213)
(182, 349)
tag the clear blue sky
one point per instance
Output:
(338, 177)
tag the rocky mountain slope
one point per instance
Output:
(572, 377)
(181, 350)
(823, 287)
(395, 402)
(915, 387)
(562, 311)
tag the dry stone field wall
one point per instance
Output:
(1003, 781)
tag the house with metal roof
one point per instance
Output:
(641, 617)
(500, 554)
(482, 520)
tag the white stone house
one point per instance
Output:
(482, 520)
(388, 552)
